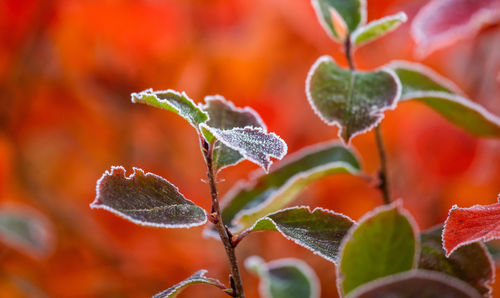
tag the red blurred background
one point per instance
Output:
(67, 69)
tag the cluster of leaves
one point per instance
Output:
(384, 253)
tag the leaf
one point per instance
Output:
(224, 115)
(416, 283)
(355, 101)
(320, 231)
(284, 278)
(424, 85)
(264, 194)
(146, 199)
(253, 143)
(377, 28)
(196, 278)
(435, 27)
(26, 230)
(173, 101)
(470, 263)
(383, 243)
(340, 17)
(494, 250)
(467, 225)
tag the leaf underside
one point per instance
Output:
(383, 243)
(320, 231)
(350, 13)
(265, 194)
(196, 278)
(466, 225)
(470, 263)
(424, 85)
(353, 100)
(284, 278)
(416, 283)
(146, 199)
(377, 28)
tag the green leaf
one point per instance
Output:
(284, 278)
(377, 28)
(470, 263)
(320, 231)
(146, 199)
(173, 101)
(264, 194)
(355, 101)
(197, 278)
(25, 230)
(253, 143)
(494, 250)
(340, 17)
(383, 243)
(416, 283)
(424, 85)
(224, 115)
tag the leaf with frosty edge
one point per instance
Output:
(320, 231)
(264, 194)
(224, 115)
(377, 28)
(146, 199)
(253, 143)
(173, 101)
(284, 278)
(340, 17)
(383, 243)
(422, 84)
(470, 263)
(441, 23)
(467, 225)
(353, 100)
(196, 278)
(25, 230)
(416, 283)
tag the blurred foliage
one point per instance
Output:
(67, 69)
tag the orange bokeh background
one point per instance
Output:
(67, 68)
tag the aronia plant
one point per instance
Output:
(383, 254)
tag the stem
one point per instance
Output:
(349, 52)
(224, 233)
(384, 182)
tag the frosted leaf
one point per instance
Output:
(253, 143)
(284, 278)
(196, 278)
(146, 199)
(377, 28)
(224, 115)
(355, 101)
(320, 231)
(416, 283)
(173, 101)
(340, 17)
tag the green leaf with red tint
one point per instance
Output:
(416, 283)
(470, 263)
(467, 225)
(353, 100)
(383, 243)
(146, 199)
(196, 278)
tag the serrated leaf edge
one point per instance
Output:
(394, 205)
(327, 58)
(308, 208)
(97, 205)
(257, 262)
(401, 16)
(428, 72)
(420, 273)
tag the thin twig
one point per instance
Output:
(224, 233)
(384, 181)
(349, 53)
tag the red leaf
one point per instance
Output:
(466, 225)
(443, 22)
